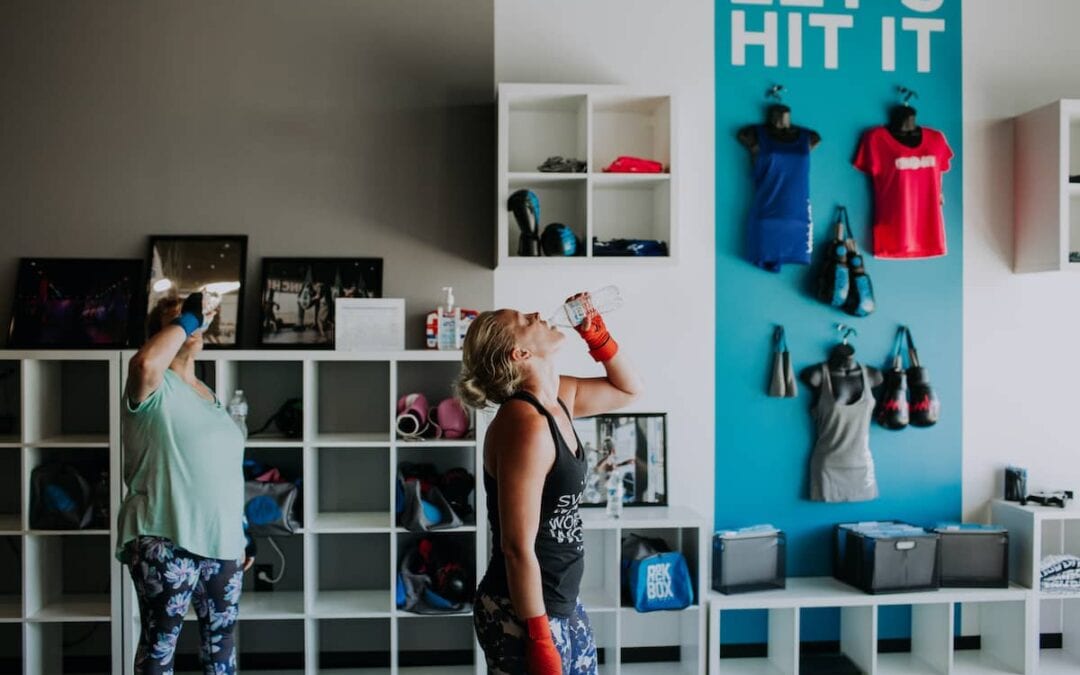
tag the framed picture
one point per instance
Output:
(216, 265)
(634, 445)
(298, 294)
(369, 324)
(77, 302)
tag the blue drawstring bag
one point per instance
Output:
(654, 577)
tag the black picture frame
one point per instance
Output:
(293, 287)
(190, 262)
(68, 303)
(638, 440)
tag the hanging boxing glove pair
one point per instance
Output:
(844, 282)
(782, 380)
(907, 396)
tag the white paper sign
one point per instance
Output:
(369, 324)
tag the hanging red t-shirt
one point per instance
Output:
(907, 192)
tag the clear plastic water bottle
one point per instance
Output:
(238, 410)
(615, 493)
(570, 314)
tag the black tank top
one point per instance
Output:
(560, 547)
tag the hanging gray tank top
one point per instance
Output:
(841, 468)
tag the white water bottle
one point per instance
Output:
(571, 313)
(238, 410)
(615, 493)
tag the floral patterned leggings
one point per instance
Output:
(502, 636)
(168, 580)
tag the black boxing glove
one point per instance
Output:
(925, 405)
(525, 206)
(892, 409)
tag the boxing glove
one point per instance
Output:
(892, 409)
(925, 405)
(525, 206)
(602, 347)
(541, 655)
(834, 281)
(860, 300)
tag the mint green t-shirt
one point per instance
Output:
(183, 459)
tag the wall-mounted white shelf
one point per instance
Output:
(594, 124)
(1004, 619)
(1047, 210)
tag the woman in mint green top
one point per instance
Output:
(181, 524)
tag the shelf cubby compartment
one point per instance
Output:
(70, 579)
(681, 539)
(11, 490)
(632, 206)
(781, 653)
(10, 408)
(930, 628)
(353, 577)
(463, 543)
(352, 402)
(71, 647)
(286, 600)
(360, 645)
(276, 646)
(444, 459)
(11, 579)
(635, 126)
(600, 591)
(1003, 640)
(289, 461)
(544, 125)
(435, 380)
(67, 402)
(348, 490)
(444, 643)
(92, 463)
(562, 200)
(605, 628)
(858, 635)
(267, 386)
(11, 648)
(656, 642)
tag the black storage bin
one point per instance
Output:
(886, 557)
(973, 556)
(751, 559)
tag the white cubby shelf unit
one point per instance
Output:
(594, 124)
(1034, 533)
(1004, 617)
(1047, 227)
(334, 609)
(59, 589)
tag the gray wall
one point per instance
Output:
(316, 127)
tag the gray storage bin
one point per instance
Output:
(751, 559)
(886, 557)
(973, 556)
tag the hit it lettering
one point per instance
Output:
(766, 31)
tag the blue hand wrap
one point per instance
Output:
(189, 322)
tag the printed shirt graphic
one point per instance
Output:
(908, 222)
(564, 525)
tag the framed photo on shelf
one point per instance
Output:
(77, 302)
(216, 265)
(369, 324)
(298, 296)
(632, 444)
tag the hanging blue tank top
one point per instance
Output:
(780, 225)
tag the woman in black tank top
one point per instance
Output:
(527, 615)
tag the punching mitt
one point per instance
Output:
(892, 410)
(525, 207)
(925, 405)
(558, 240)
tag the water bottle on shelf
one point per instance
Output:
(571, 313)
(238, 410)
(615, 492)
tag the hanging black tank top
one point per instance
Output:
(560, 547)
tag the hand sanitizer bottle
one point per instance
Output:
(449, 321)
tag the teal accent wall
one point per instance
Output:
(763, 445)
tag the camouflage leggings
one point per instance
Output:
(502, 635)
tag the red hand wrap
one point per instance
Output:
(541, 656)
(602, 347)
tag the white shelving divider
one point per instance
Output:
(1047, 227)
(1008, 637)
(594, 124)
